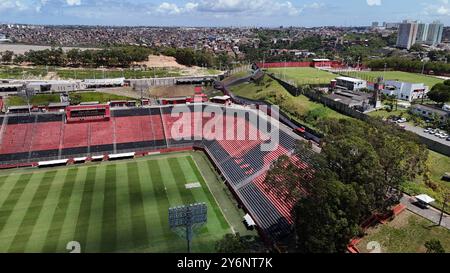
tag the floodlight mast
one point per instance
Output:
(186, 217)
(188, 228)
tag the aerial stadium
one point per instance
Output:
(105, 177)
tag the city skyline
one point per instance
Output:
(222, 12)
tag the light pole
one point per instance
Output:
(443, 208)
(423, 66)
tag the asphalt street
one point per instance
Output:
(430, 213)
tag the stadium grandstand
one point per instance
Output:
(96, 132)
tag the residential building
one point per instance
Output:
(422, 33)
(391, 25)
(407, 34)
(434, 35)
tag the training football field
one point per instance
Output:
(109, 207)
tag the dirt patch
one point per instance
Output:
(401, 220)
(161, 61)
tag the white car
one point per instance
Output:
(402, 120)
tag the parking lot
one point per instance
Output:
(421, 131)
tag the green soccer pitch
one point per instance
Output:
(117, 206)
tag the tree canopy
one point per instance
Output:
(409, 65)
(117, 56)
(434, 246)
(357, 173)
(440, 93)
(235, 243)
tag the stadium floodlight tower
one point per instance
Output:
(188, 218)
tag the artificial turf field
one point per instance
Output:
(429, 81)
(304, 75)
(109, 207)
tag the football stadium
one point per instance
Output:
(106, 177)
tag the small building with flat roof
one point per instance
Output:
(429, 112)
(351, 84)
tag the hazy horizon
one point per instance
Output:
(221, 13)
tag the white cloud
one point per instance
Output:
(221, 8)
(190, 7)
(16, 5)
(168, 8)
(374, 2)
(73, 2)
(442, 9)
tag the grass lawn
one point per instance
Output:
(19, 72)
(300, 108)
(108, 207)
(98, 96)
(7, 72)
(438, 164)
(127, 73)
(407, 233)
(385, 114)
(236, 76)
(45, 99)
(39, 99)
(304, 75)
(397, 75)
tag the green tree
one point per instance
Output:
(324, 220)
(235, 243)
(434, 246)
(7, 56)
(440, 93)
(417, 48)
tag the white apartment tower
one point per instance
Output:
(407, 34)
(434, 35)
(422, 33)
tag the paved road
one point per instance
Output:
(431, 213)
(420, 131)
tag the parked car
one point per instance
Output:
(448, 139)
(402, 120)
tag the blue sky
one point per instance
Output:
(222, 12)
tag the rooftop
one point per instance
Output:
(348, 79)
